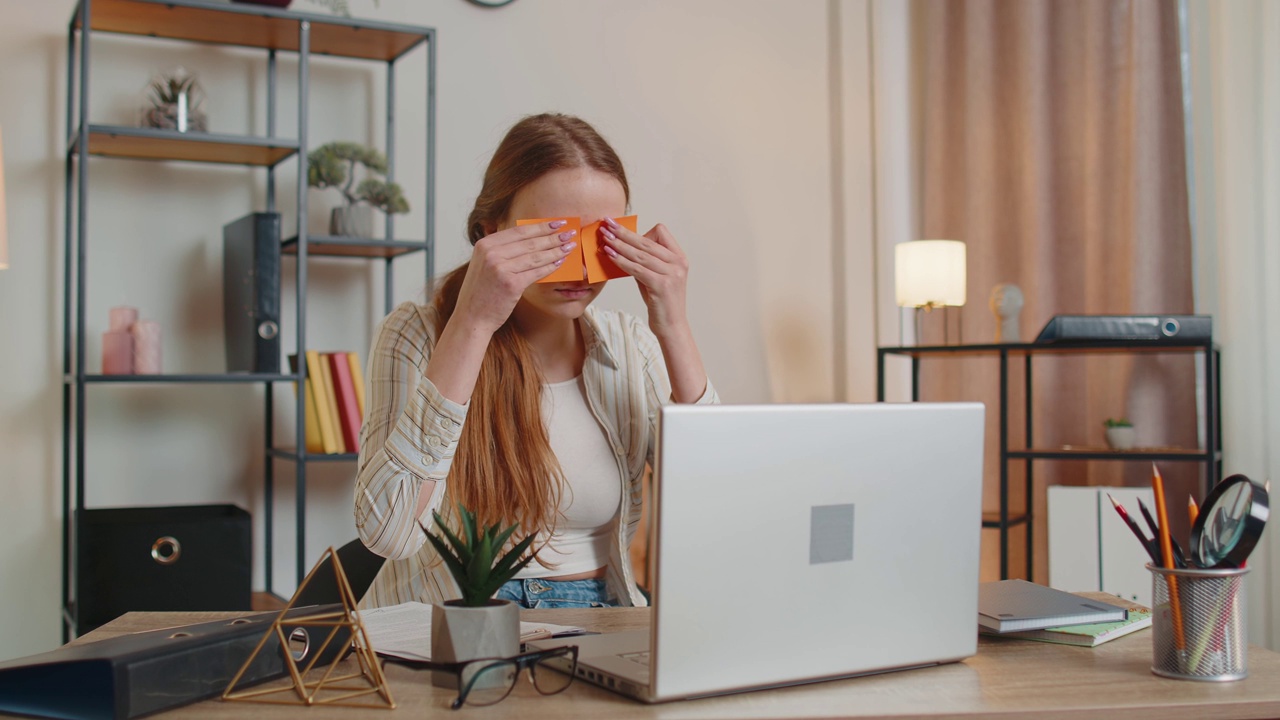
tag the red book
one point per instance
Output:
(348, 406)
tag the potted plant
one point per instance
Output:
(175, 103)
(476, 625)
(1120, 434)
(334, 166)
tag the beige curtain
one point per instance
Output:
(1052, 143)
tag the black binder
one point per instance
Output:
(1168, 329)
(133, 675)
(251, 293)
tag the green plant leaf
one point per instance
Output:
(456, 566)
(511, 563)
(468, 525)
(462, 549)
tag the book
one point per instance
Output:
(1012, 605)
(587, 261)
(357, 381)
(345, 393)
(331, 441)
(331, 404)
(315, 443)
(1091, 634)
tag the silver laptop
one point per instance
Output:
(798, 543)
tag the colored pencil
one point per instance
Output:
(1148, 545)
(1166, 546)
(1193, 510)
(1178, 559)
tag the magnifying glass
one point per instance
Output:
(1230, 523)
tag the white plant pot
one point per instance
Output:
(353, 221)
(461, 633)
(1122, 438)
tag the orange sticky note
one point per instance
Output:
(599, 266)
(571, 270)
(587, 261)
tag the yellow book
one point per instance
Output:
(315, 444)
(357, 380)
(331, 403)
(316, 378)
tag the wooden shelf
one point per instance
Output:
(337, 246)
(1079, 452)
(291, 455)
(255, 26)
(153, 144)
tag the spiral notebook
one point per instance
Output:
(1013, 605)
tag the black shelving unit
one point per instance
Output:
(1003, 520)
(239, 25)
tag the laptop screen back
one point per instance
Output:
(797, 542)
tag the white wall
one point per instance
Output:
(722, 110)
(1235, 105)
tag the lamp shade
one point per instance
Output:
(929, 273)
(4, 235)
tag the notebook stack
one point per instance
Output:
(1020, 609)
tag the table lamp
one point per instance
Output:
(4, 236)
(929, 274)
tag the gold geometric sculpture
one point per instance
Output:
(340, 691)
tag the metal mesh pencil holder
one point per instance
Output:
(1199, 624)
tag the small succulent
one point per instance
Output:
(334, 166)
(1117, 422)
(474, 558)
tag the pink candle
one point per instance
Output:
(117, 352)
(146, 347)
(122, 318)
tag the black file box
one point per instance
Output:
(196, 557)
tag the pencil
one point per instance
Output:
(1166, 546)
(1178, 560)
(1193, 510)
(1148, 545)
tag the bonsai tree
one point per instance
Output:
(473, 559)
(334, 166)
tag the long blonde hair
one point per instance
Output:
(504, 469)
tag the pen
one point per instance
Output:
(1178, 560)
(1148, 545)
(1166, 545)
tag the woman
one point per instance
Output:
(517, 398)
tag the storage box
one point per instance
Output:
(194, 557)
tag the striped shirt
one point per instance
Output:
(411, 432)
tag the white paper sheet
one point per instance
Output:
(404, 630)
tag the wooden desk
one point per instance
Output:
(1007, 678)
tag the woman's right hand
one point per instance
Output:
(506, 263)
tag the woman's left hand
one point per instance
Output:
(658, 264)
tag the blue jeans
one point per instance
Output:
(542, 594)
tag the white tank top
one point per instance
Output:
(592, 490)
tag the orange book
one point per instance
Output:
(315, 375)
(345, 394)
(587, 261)
(357, 381)
(331, 403)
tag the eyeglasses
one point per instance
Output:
(489, 681)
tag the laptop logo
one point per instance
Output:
(830, 533)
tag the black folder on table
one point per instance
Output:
(141, 673)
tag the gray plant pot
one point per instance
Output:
(1122, 437)
(461, 633)
(352, 221)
